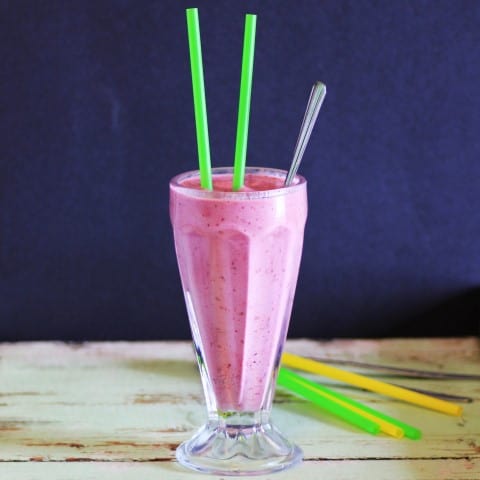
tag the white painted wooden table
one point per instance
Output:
(119, 410)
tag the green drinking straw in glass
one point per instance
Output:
(287, 379)
(244, 101)
(199, 102)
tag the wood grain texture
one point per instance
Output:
(83, 410)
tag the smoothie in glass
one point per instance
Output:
(238, 255)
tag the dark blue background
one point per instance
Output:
(96, 116)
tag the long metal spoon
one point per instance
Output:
(410, 373)
(315, 101)
(406, 372)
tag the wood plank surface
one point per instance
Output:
(81, 410)
(310, 470)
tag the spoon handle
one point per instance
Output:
(315, 101)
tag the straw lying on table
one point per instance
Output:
(300, 386)
(307, 365)
(349, 410)
(345, 408)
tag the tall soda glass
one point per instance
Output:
(238, 254)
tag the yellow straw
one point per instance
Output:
(312, 366)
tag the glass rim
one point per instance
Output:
(298, 183)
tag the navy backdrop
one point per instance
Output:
(96, 117)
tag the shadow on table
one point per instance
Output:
(182, 369)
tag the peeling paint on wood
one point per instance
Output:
(102, 408)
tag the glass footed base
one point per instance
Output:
(233, 449)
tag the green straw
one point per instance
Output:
(199, 102)
(293, 383)
(288, 379)
(409, 431)
(244, 101)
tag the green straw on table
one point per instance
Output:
(244, 101)
(295, 380)
(286, 380)
(409, 431)
(199, 102)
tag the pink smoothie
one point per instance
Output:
(239, 255)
